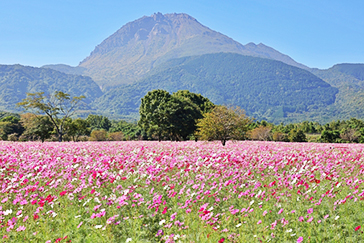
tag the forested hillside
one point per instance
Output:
(17, 80)
(349, 79)
(264, 88)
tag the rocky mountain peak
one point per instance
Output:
(139, 46)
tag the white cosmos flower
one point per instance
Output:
(7, 212)
(238, 225)
(98, 226)
(128, 240)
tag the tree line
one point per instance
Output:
(179, 116)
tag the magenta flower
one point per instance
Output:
(300, 239)
(165, 210)
(310, 210)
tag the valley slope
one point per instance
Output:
(266, 89)
(17, 80)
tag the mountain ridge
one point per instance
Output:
(17, 80)
(132, 51)
(266, 89)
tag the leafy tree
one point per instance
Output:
(203, 103)
(36, 127)
(116, 136)
(152, 113)
(350, 134)
(98, 122)
(98, 135)
(280, 137)
(10, 125)
(130, 130)
(262, 133)
(58, 107)
(297, 136)
(223, 124)
(181, 116)
(76, 128)
(328, 136)
(171, 116)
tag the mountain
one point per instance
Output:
(66, 69)
(174, 52)
(17, 80)
(349, 79)
(139, 46)
(266, 89)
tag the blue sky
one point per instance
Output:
(317, 33)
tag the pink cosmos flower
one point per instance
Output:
(310, 210)
(25, 218)
(165, 210)
(300, 239)
(259, 222)
(21, 228)
(97, 207)
(280, 211)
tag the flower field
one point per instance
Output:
(181, 192)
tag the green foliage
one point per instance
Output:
(116, 136)
(36, 127)
(355, 70)
(5, 114)
(348, 78)
(163, 115)
(10, 125)
(98, 135)
(204, 104)
(328, 136)
(58, 107)
(17, 80)
(152, 113)
(297, 136)
(98, 122)
(130, 131)
(223, 124)
(77, 128)
(266, 89)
